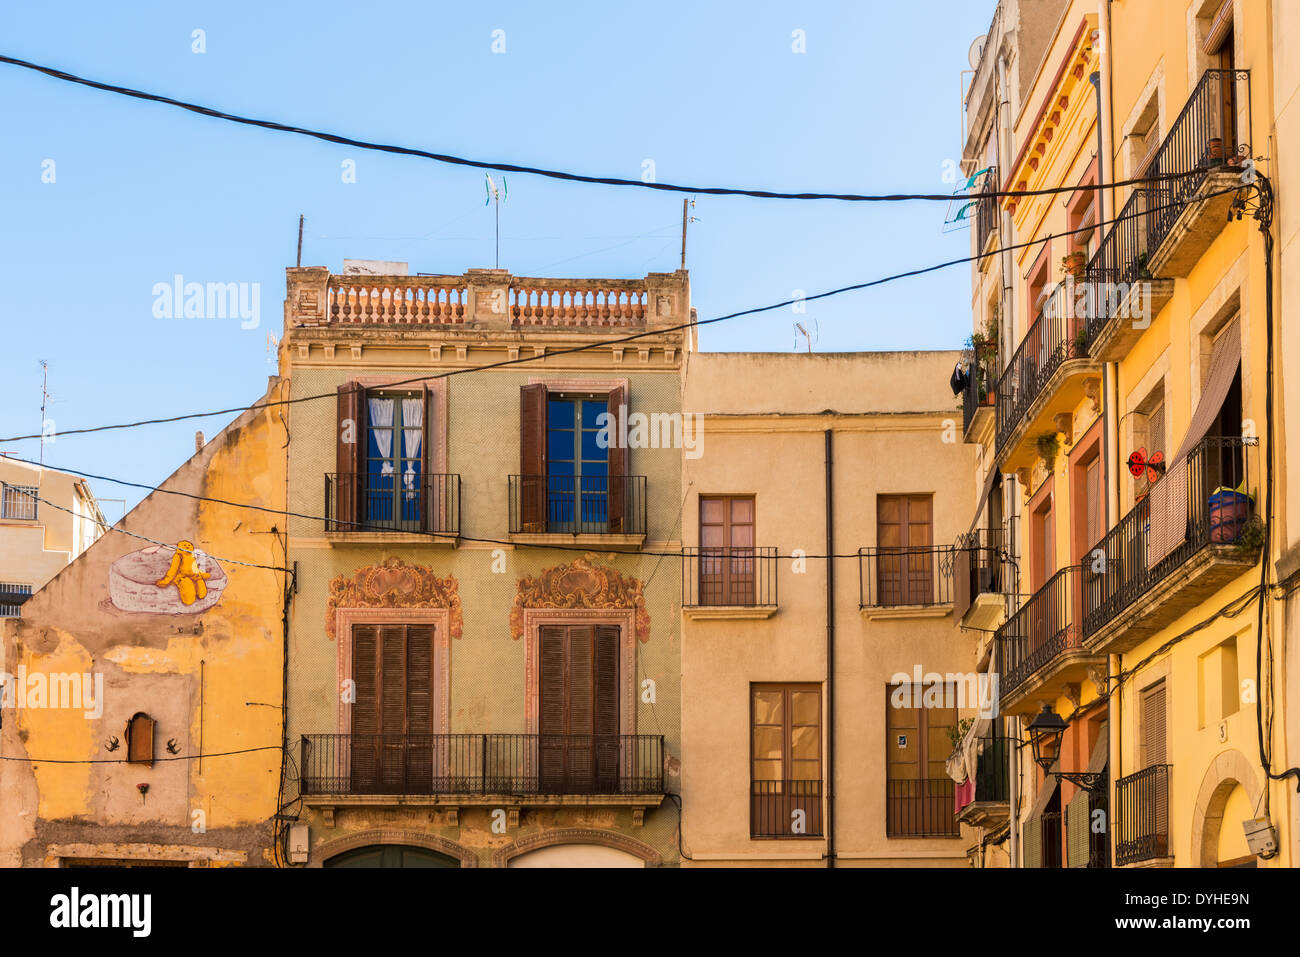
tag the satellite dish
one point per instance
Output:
(976, 51)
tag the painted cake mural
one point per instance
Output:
(166, 580)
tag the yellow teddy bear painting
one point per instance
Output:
(189, 581)
(167, 580)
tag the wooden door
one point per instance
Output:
(905, 561)
(578, 737)
(727, 550)
(392, 741)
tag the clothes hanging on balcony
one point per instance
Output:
(1168, 510)
(963, 763)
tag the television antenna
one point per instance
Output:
(810, 336)
(495, 196)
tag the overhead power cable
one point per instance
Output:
(606, 343)
(539, 171)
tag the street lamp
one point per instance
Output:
(1045, 733)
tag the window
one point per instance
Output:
(904, 537)
(18, 501)
(139, 739)
(727, 550)
(393, 747)
(567, 482)
(384, 478)
(918, 739)
(1042, 544)
(785, 760)
(1152, 752)
(579, 724)
(12, 596)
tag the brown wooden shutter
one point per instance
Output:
(606, 707)
(432, 493)
(551, 704)
(1153, 725)
(365, 708)
(419, 709)
(532, 457)
(139, 740)
(617, 463)
(350, 455)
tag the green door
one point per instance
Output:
(391, 855)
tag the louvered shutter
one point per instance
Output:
(1154, 753)
(1077, 819)
(582, 710)
(617, 464)
(350, 454)
(606, 708)
(532, 458)
(392, 708)
(365, 709)
(1032, 842)
(419, 709)
(551, 705)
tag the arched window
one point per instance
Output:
(139, 739)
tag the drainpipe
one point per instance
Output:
(1007, 336)
(830, 655)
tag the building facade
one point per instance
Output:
(484, 654)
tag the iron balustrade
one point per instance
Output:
(785, 808)
(578, 504)
(1205, 136)
(1119, 263)
(1047, 625)
(993, 768)
(1218, 510)
(516, 764)
(982, 565)
(726, 576)
(409, 502)
(921, 807)
(978, 393)
(905, 575)
(1143, 800)
(986, 211)
(1057, 335)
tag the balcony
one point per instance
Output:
(785, 809)
(729, 582)
(1048, 376)
(1207, 141)
(532, 770)
(600, 510)
(983, 576)
(1041, 645)
(906, 582)
(921, 807)
(410, 508)
(1136, 583)
(986, 213)
(1143, 817)
(988, 804)
(977, 401)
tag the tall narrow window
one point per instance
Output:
(786, 760)
(1153, 753)
(139, 739)
(579, 723)
(393, 746)
(918, 791)
(381, 482)
(727, 550)
(904, 538)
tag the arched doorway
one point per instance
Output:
(1230, 792)
(391, 855)
(576, 855)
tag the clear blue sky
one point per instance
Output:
(712, 93)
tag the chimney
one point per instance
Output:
(198, 441)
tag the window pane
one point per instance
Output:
(806, 707)
(768, 707)
(767, 770)
(591, 450)
(559, 413)
(742, 510)
(560, 446)
(805, 744)
(591, 410)
(767, 742)
(711, 510)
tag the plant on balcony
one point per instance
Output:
(1075, 264)
(955, 734)
(1251, 537)
(1143, 270)
(1048, 446)
(1081, 343)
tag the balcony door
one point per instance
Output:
(578, 730)
(392, 742)
(727, 550)
(918, 791)
(1154, 752)
(904, 536)
(577, 492)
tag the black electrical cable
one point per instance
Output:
(694, 323)
(538, 171)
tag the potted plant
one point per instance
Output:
(1048, 445)
(1144, 271)
(1081, 343)
(1075, 263)
(1216, 149)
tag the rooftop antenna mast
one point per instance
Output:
(45, 395)
(495, 196)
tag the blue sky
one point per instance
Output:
(712, 93)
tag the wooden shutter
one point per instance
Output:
(419, 709)
(1078, 818)
(905, 567)
(551, 704)
(392, 706)
(350, 456)
(617, 464)
(1032, 842)
(606, 718)
(365, 708)
(139, 740)
(1153, 725)
(532, 457)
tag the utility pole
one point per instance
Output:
(45, 395)
(685, 203)
(300, 218)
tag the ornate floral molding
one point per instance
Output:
(395, 584)
(580, 584)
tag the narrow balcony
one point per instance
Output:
(984, 801)
(983, 576)
(533, 770)
(978, 401)
(1143, 817)
(986, 213)
(921, 807)
(1041, 645)
(720, 582)
(378, 507)
(602, 510)
(1206, 533)
(906, 582)
(785, 809)
(1048, 376)
(1208, 140)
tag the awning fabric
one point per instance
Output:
(1168, 510)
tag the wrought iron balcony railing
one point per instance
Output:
(1143, 817)
(921, 807)
(1119, 262)
(470, 764)
(978, 393)
(982, 565)
(911, 575)
(1047, 625)
(785, 808)
(986, 211)
(993, 769)
(378, 502)
(1057, 335)
(1210, 504)
(578, 504)
(732, 576)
